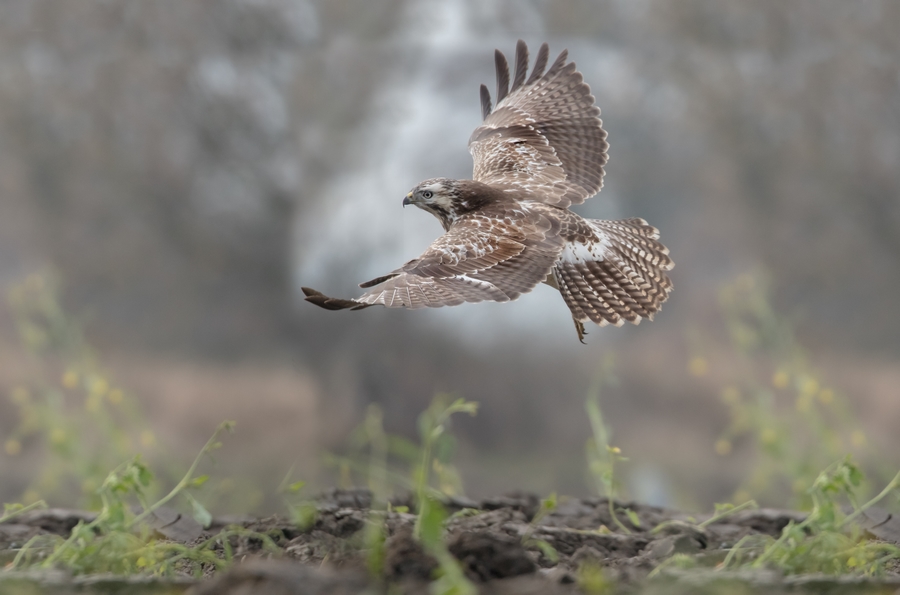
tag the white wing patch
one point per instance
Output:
(590, 251)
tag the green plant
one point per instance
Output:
(119, 541)
(12, 510)
(430, 525)
(777, 400)
(827, 541)
(601, 456)
(71, 411)
(548, 505)
(424, 468)
(379, 458)
(433, 425)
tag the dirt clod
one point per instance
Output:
(485, 555)
(498, 542)
(406, 559)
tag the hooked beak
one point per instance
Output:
(408, 200)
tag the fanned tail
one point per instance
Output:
(624, 279)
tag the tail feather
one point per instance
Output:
(624, 281)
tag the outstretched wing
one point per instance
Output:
(545, 135)
(483, 257)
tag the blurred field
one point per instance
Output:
(184, 168)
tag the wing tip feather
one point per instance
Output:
(521, 65)
(540, 64)
(502, 67)
(329, 303)
(485, 102)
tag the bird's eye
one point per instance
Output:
(427, 194)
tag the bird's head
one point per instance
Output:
(442, 197)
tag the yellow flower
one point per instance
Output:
(20, 395)
(147, 439)
(723, 447)
(115, 396)
(768, 436)
(809, 386)
(698, 366)
(13, 447)
(99, 386)
(731, 395)
(57, 436)
(70, 379)
(780, 379)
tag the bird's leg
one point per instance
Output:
(579, 328)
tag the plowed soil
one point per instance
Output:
(500, 546)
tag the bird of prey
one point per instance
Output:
(539, 150)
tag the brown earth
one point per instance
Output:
(498, 542)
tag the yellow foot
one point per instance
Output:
(579, 327)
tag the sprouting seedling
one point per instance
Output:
(189, 480)
(548, 505)
(602, 457)
(375, 533)
(432, 427)
(430, 522)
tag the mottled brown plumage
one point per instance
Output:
(541, 149)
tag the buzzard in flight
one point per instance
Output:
(541, 149)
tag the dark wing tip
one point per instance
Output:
(485, 102)
(329, 303)
(540, 64)
(560, 62)
(521, 65)
(502, 75)
(377, 280)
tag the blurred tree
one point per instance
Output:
(161, 149)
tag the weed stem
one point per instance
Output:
(894, 483)
(210, 445)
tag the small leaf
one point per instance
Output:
(723, 507)
(145, 476)
(431, 523)
(548, 550)
(304, 515)
(633, 517)
(550, 502)
(199, 512)
(296, 486)
(12, 507)
(199, 481)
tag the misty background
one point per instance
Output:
(186, 166)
